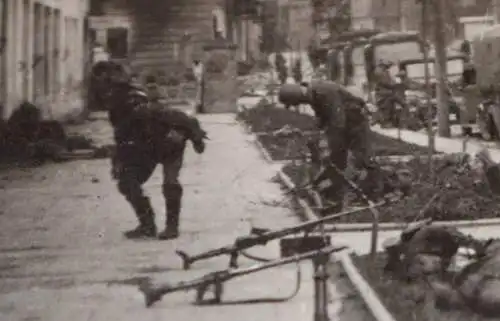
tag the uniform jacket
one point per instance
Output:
(330, 101)
(138, 120)
(384, 83)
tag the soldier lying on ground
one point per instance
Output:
(424, 249)
(476, 287)
(147, 133)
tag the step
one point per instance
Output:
(174, 10)
(156, 62)
(178, 31)
(160, 46)
(154, 38)
(141, 54)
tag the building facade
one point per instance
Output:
(43, 55)
(169, 34)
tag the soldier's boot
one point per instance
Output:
(173, 199)
(145, 215)
(142, 208)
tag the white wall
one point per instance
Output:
(474, 26)
(59, 91)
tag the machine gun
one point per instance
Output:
(262, 237)
(216, 279)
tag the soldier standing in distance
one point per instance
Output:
(385, 93)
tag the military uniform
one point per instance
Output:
(427, 249)
(342, 117)
(148, 133)
(386, 94)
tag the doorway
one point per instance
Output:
(117, 43)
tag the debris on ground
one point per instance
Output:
(27, 137)
(407, 301)
(462, 194)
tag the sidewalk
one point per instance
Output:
(442, 144)
(63, 256)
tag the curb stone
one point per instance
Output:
(263, 151)
(268, 159)
(369, 296)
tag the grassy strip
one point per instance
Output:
(461, 196)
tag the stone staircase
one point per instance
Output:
(163, 27)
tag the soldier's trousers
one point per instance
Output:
(353, 138)
(386, 104)
(136, 165)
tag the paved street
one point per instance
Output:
(63, 256)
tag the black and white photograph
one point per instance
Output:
(250, 160)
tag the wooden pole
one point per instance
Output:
(425, 49)
(441, 70)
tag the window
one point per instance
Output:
(96, 8)
(117, 42)
(219, 23)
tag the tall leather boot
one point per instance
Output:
(173, 203)
(145, 215)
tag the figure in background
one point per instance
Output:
(387, 94)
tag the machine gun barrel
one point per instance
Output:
(254, 240)
(153, 293)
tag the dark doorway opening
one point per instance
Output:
(117, 43)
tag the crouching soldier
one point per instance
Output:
(147, 134)
(342, 116)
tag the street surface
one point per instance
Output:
(63, 256)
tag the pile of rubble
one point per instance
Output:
(27, 136)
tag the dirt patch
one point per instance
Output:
(406, 301)
(461, 196)
(267, 119)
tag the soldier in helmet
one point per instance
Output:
(148, 133)
(386, 94)
(342, 115)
